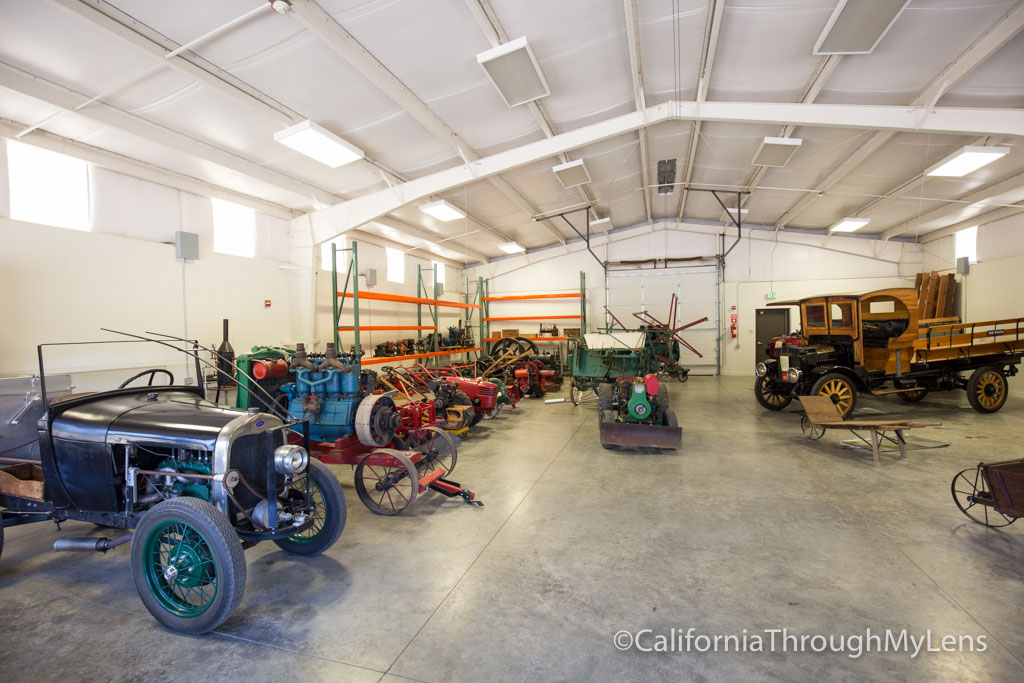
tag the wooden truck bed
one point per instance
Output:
(969, 340)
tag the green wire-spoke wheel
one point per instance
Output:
(327, 503)
(188, 565)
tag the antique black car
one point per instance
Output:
(197, 482)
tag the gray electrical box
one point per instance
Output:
(438, 290)
(963, 265)
(186, 245)
(371, 277)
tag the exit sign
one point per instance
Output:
(772, 295)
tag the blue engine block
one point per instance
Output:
(327, 397)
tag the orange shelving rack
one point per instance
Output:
(486, 318)
(431, 303)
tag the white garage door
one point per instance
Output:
(697, 288)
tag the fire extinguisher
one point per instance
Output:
(733, 325)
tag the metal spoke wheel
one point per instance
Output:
(769, 397)
(986, 389)
(438, 449)
(971, 494)
(575, 395)
(386, 481)
(327, 508)
(811, 431)
(188, 565)
(838, 388)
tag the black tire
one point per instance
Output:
(661, 400)
(477, 416)
(536, 390)
(986, 389)
(462, 399)
(329, 501)
(604, 397)
(770, 400)
(915, 396)
(671, 420)
(840, 389)
(210, 538)
(1, 537)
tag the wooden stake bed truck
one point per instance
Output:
(875, 343)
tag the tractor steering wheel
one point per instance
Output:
(152, 375)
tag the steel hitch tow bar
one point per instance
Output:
(454, 488)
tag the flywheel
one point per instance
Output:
(377, 419)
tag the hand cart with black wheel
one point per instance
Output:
(991, 494)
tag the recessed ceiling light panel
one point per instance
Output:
(512, 247)
(572, 173)
(968, 159)
(442, 210)
(601, 225)
(318, 143)
(850, 224)
(515, 72)
(857, 26)
(776, 151)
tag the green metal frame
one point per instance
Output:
(351, 277)
(484, 290)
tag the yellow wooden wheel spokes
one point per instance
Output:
(840, 393)
(991, 387)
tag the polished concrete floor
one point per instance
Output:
(749, 526)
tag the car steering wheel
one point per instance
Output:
(152, 375)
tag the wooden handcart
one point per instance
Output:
(820, 413)
(991, 494)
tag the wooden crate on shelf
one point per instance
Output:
(572, 332)
(510, 333)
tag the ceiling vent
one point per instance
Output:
(572, 173)
(666, 176)
(776, 151)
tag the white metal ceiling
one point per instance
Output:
(271, 71)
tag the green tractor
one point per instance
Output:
(634, 411)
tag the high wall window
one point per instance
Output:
(438, 273)
(966, 243)
(325, 254)
(396, 265)
(234, 228)
(47, 187)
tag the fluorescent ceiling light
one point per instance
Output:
(776, 151)
(511, 247)
(572, 173)
(442, 210)
(733, 214)
(857, 26)
(318, 143)
(514, 71)
(967, 159)
(601, 224)
(849, 224)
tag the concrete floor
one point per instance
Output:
(749, 526)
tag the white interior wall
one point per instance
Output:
(64, 285)
(792, 265)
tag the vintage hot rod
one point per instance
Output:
(876, 344)
(197, 482)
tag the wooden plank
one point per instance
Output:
(922, 295)
(917, 280)
(933, 292)
(941, 299)
(948, 311)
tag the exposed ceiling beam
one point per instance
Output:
(980, 50)
(64, 98)
(433, 238)
(372, 238)
(140, 169)
(712, 27)
(486, 19)
(908, 185)
(818, 80)
(982, 219)
(318, 22)
(950, 120)
(991, 191)
(639, 99)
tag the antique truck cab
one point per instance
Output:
(873, 343)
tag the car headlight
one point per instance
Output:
(762, 369)
(793, 375)
(290, 459)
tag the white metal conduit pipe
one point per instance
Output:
(263, 7)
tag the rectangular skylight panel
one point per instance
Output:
(857, 26)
